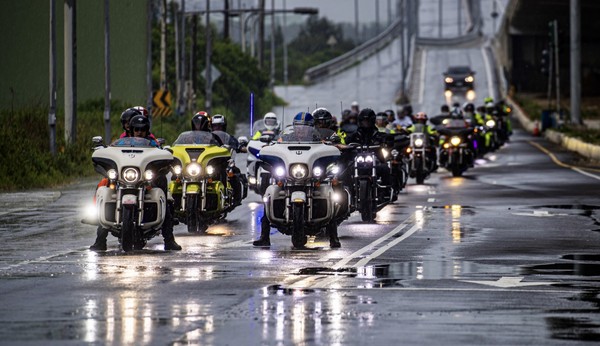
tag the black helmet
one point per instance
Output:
(445, 109)
(366, 118)
(469, 108)
(407, 110)
(127, 115)
(323, 118)
(139, 122)
(200, 122)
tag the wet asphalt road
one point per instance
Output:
(508, 254)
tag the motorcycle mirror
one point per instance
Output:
(98, 141)
(161, 141)
(266, 138)
(243, 140)
(168, 148)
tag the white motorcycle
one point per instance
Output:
(130, 206)
(258, 177)
(306, 196)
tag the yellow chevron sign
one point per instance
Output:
(161, 103)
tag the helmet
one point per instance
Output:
(304, 118)
(366, 118)
(139, 122)
(445, 109)
(354, 105)
(270, 121)
(323, 117)
(220, 121)
(390, 113)
(469, 107)
(381, 116)
(456, 114)
(200, 122)
(127, 115)
(143, 111)
(407, 110)
(352, 116)
(421, 117)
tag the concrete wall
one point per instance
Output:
(24, 40)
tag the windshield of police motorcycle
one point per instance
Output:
(196, 137)
(133, 142)
(300, 133)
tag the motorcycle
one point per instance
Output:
(130, 206)
(306, 196)
(258, 178)
(419, 157)
(200, 185)
(369, 193)
(456, 152)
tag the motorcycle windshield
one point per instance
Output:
(196, 137)
(300, 133)
(132, 142)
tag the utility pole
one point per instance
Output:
(575, 25)
(440, 17)
(193, 64)
(163, 45)
(285, 52)
(226, 20)
(272, 79)
(70, 72)
(208, 77)
(376, 17)
(107, 132)
(149, 16)
(52, 61)
(356, 38)
(557, 65)
(261, 33)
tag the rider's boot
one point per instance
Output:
(100, 243)
(265, 236)
(167, 229)
(334, 241)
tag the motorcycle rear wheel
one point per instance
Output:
(366, 202)
(128, 233)
(298, 236)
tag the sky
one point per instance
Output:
(335, 10)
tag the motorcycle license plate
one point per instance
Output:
(298, 197)
(129, 199)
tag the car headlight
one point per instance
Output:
(148, 175)
(131, 175)
(448, 80)
(455, 141)
(279, 172)
(490, 123)
(317, 171)
(469, 79)
(210, 170)
(177, 170)
(112, 174)
(419, 142)
(299, 171)
(193, 169)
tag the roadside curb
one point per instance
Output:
(588, 150)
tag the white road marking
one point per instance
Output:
(388, 246)
(539, 213)
(237, 243)
(430, 200)
(509, 282)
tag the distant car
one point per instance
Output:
(459, 77)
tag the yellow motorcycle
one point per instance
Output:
(200, 184)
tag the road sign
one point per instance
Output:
(214, 73)
(161, 101)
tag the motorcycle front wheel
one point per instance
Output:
(298, 236)
(191, 212)
(128, 234)
(366, 201)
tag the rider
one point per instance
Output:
(270, 123)
(323, 120)
(140, 127)
(420, 126)
(237, 179)
(404, 118)
(381, 121)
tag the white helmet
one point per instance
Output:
(270, 121)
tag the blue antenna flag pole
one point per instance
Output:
(251, 113)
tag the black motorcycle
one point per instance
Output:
(456, 152)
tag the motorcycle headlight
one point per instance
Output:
(279, 172)
(299, 171)
(490, 123)
(333, 169)
(112, 174)
(385, 153)
(455, 141)
(193, 169)
(210, 170)
(369, 159)
(419, 142)
(252, 180)
(148, 175)
(177, 170)
(317, 171)
(131, 175)
(360, 159)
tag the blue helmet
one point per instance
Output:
(304, 118)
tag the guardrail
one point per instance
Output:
(350, 58)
